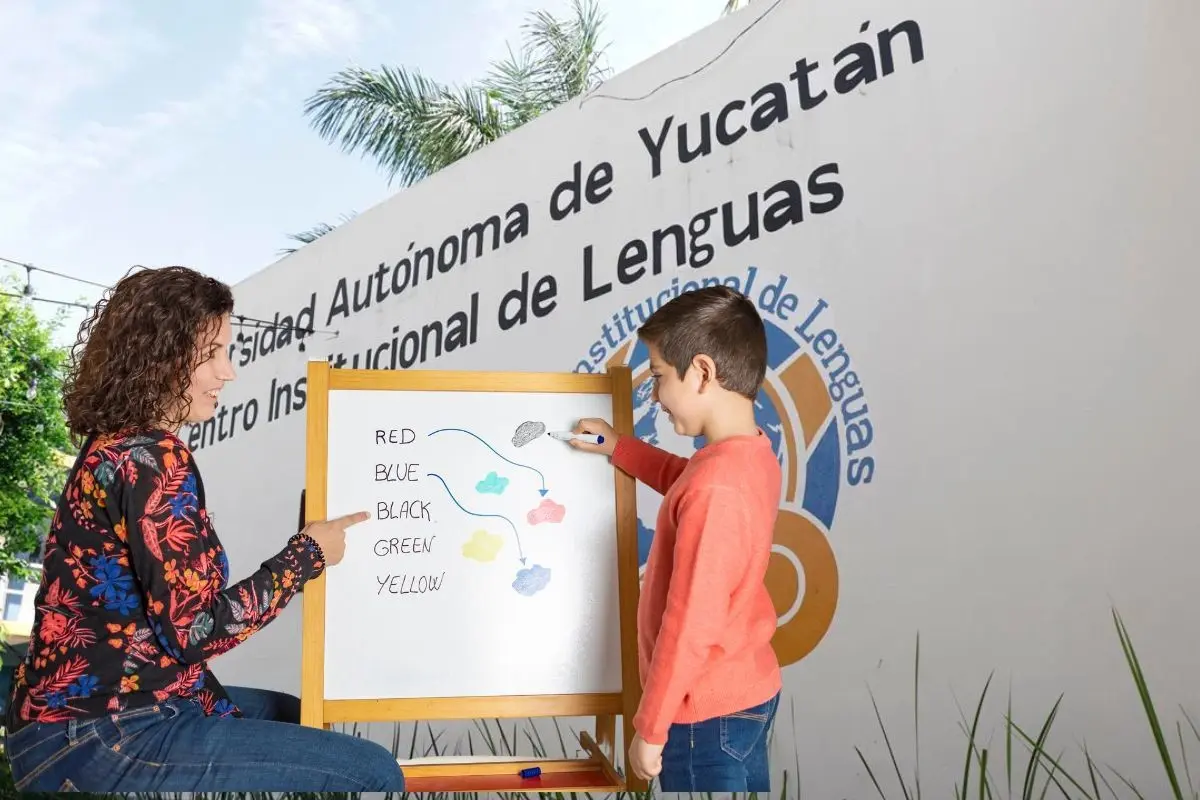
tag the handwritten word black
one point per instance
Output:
(408, 509)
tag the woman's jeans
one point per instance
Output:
(173, 747)
(722, 754)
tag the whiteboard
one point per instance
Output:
(486, 568)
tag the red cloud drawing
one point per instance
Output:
(547, 511)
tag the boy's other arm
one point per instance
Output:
(708, 561)
(653, 466)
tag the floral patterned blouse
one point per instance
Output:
(134, 596)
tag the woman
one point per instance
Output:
(115, 694)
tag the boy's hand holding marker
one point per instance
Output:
(605, 436)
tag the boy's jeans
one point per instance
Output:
(174, 747)
(723, 754)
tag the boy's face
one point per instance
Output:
(681, 398)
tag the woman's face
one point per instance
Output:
(212, 371)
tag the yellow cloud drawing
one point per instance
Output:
(483, 546)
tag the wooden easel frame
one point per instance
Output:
(450, 773)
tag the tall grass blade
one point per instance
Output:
(488, 740)
(985, 773)
(796, 751)
(561, 742)
(917, 717)
(1125, 781)
(1139, 678)
(1051, 779)
(503, 739)
(1187, 770)
(1035, 758)
(887, 741)
(966, 780)
(1091, 767)
(1008, 731)
(1191, 724)
(870, 773)
(1034, 747)
(1109, 786)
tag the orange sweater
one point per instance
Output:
(705, 620)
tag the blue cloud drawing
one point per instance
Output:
(492, 484)
(532, 580)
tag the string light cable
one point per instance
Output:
(32, 268)
(241, 321)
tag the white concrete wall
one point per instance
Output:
(1009, 265)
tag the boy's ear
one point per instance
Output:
(706, 371)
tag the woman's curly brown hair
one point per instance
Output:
(131, 366)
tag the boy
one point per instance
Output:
(710, 679)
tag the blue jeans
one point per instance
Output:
(173, 747)
(722, 754)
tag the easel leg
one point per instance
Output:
(606, 735)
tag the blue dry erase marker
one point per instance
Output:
(566, 436)
(531, 772)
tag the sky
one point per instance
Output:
(137, 132)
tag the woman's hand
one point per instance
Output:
(330, 535)
(593, 426)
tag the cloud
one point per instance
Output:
(304, 27)
(55, 55)
(59, 57)
(492, 484)
(547, 511)
(526, 432)
(483, 546)
(52, 51)
(532, 580)
(288, 30)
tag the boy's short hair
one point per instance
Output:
(718, 322)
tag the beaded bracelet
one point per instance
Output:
(308, 541)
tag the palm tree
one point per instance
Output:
(413, 126)
(312, 234)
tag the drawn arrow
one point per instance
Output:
(542, 491)
(517, 536)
